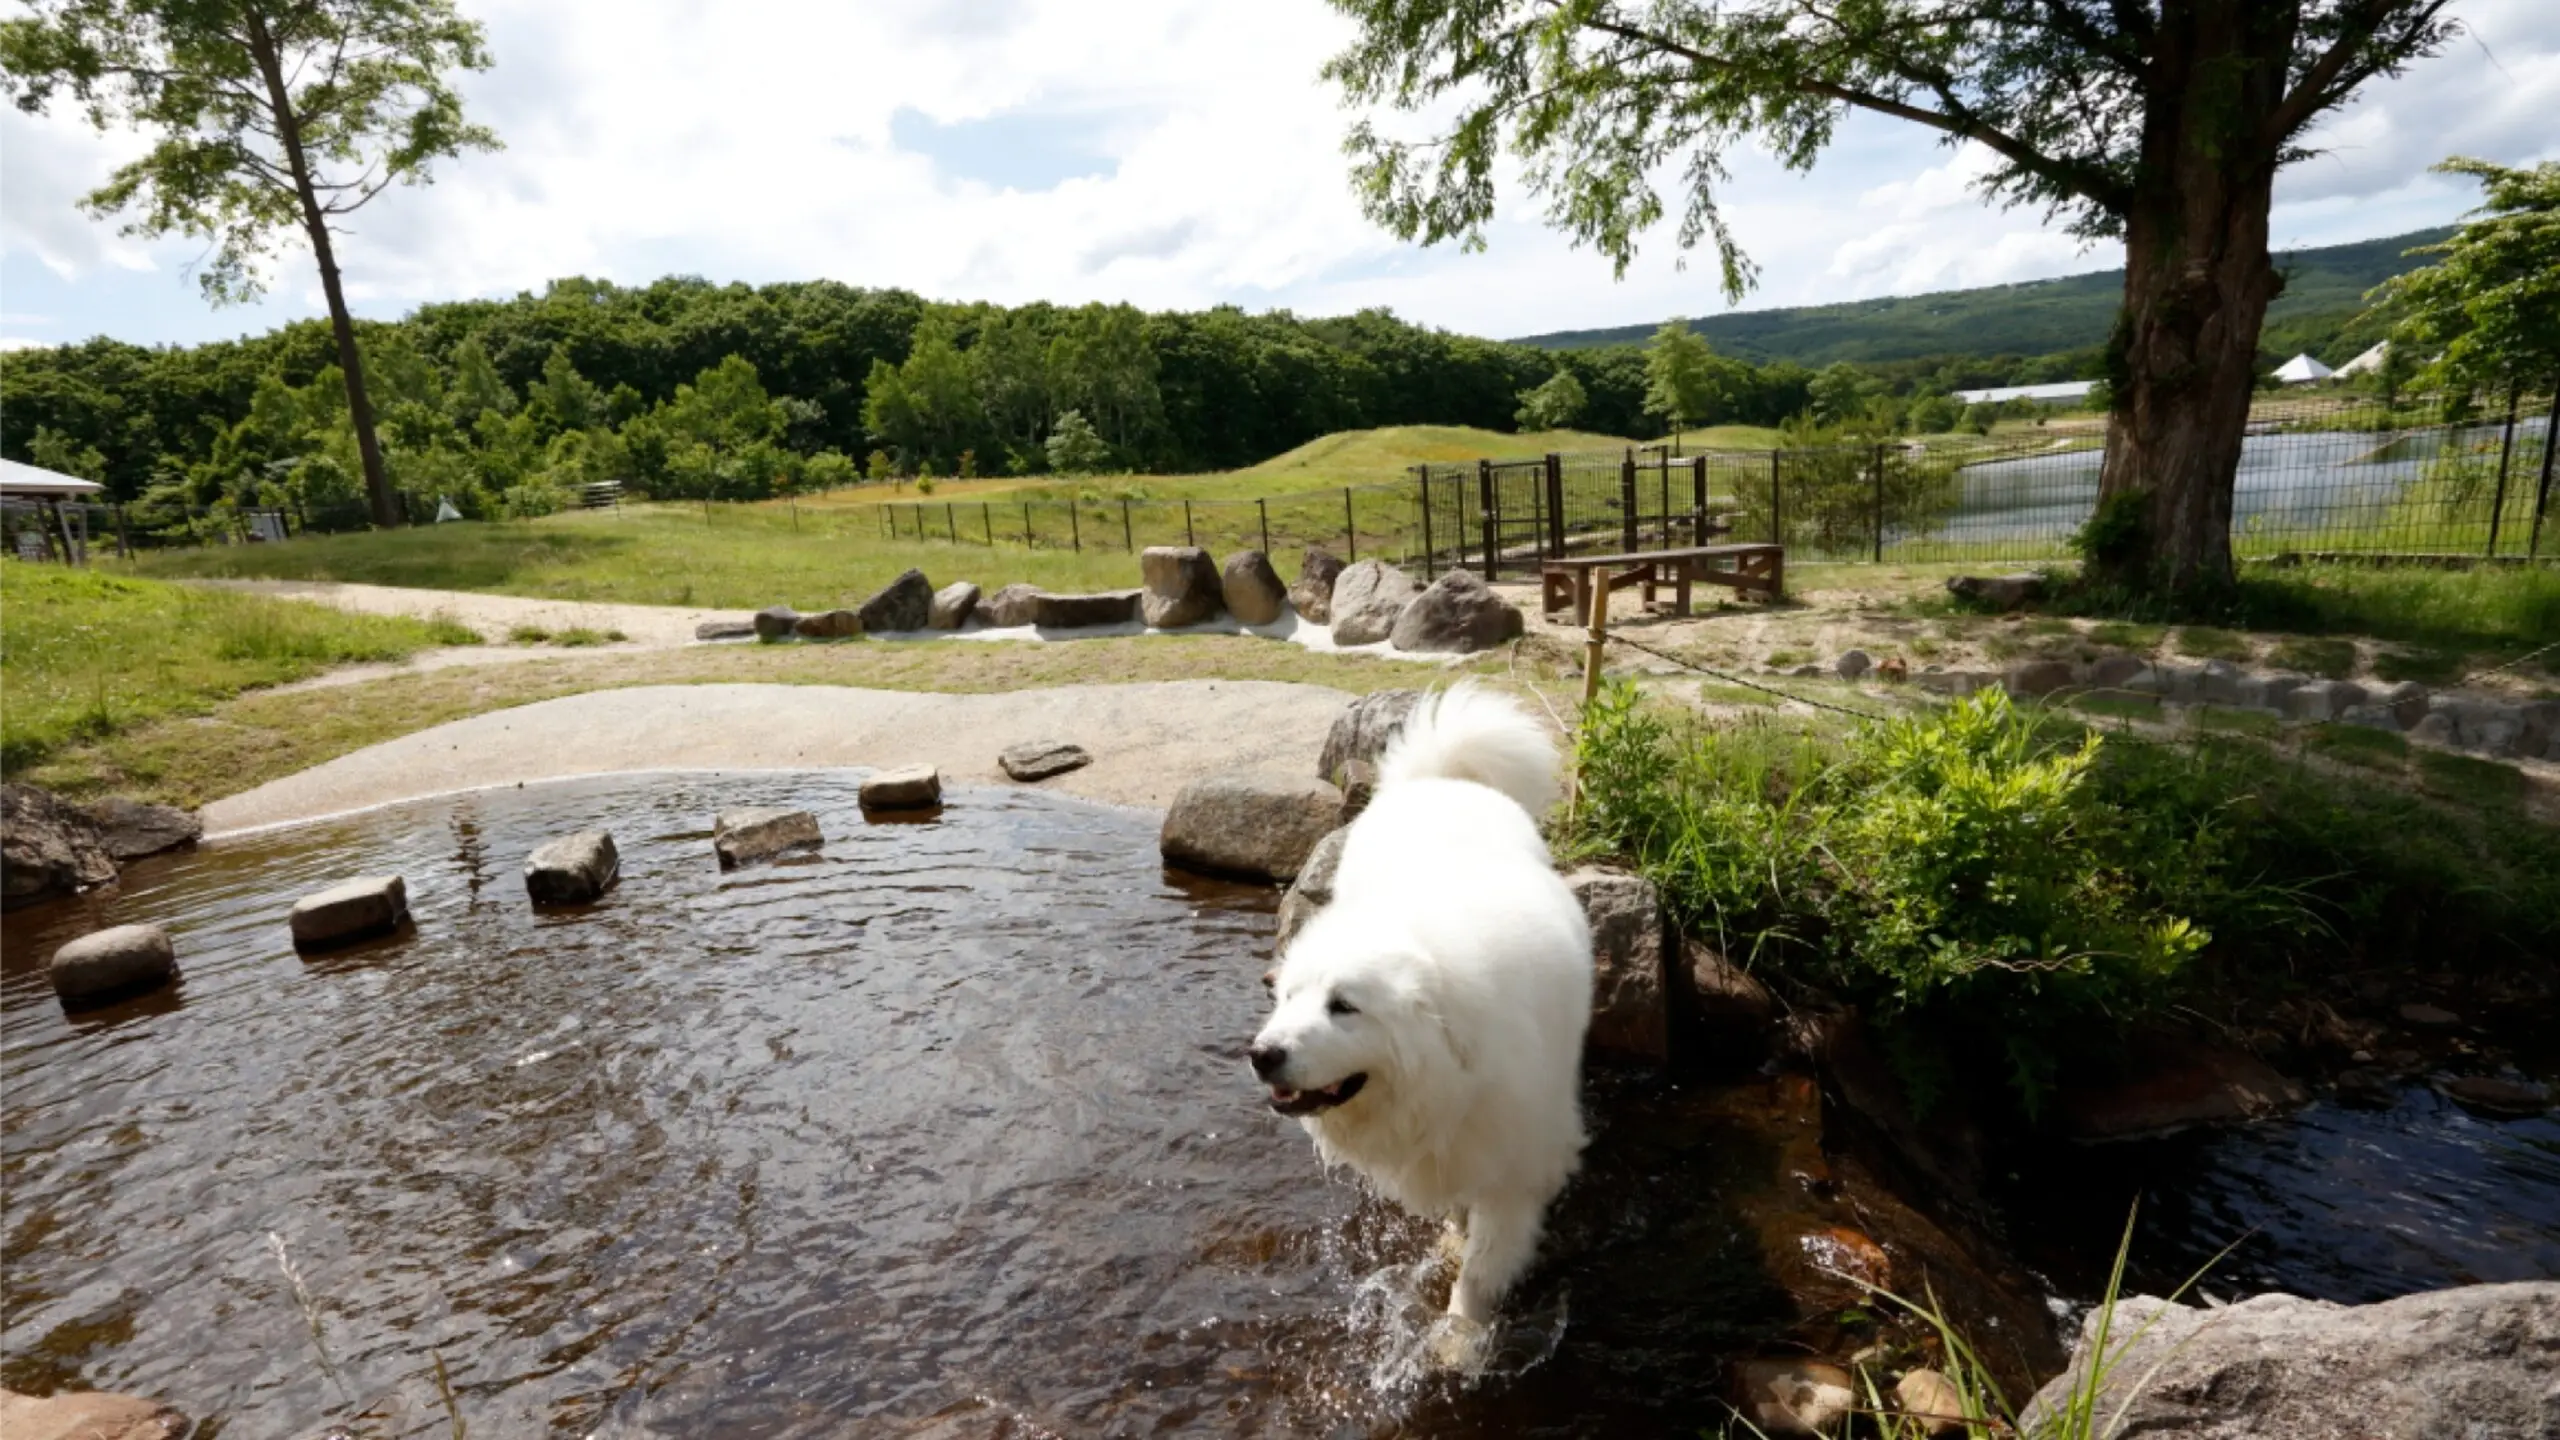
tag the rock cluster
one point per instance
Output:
(49, 847)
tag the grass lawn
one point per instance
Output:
(86, 657)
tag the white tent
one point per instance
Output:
(2369, 360)
(41, 490)
(2302, 370)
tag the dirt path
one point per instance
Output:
(1146, 740)
(495, 616)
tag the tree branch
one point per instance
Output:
(2312, 94)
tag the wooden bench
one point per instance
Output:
(1754, 569)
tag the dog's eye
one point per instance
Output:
(1336, 1005)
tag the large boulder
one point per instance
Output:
(2481, 1362)
(1368, 599)
(1039, 759)
(131, 829)
(1313, 594)
(1732, 1010)
(953, 604)
(573, 869)
(357, 909)
(1311, 891)
(1249, 822)
(112, 962)
(1078, 612)
(905, 787)
(88, 1415)
(828, 625)
(776, 622)
(1015, 604)
(759, 832)
(1182, 586)
(1252, 588)
(905, 603)
(1458, 613)
(1630, 1016)
(2179, 1085)
(49, 847)
(1362, 730)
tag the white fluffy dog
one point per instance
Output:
(1427, 1026)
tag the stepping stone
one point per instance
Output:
(573, 869)
(1077, 612)
(110, 962)
(1247, 822)
(760, 832)
(1040, 759)
(1013, 605)
(908, 787)
(775, 622)
(356, 910)
(725, 630)
(828, 625)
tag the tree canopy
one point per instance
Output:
(2488, 311)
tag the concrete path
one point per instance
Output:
(1147, 740)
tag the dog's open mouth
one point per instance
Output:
(1308, 1102)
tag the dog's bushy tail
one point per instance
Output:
(1467, 732)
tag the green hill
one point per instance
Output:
(2324, 289)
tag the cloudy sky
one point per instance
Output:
(1169, 153)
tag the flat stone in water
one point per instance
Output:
(350, 911)
(113, 961)
(760, 832)
(572, 870)
(1039, 759)
(908, 787)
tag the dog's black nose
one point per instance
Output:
(1267, 1059)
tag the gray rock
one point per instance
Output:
(725, 629)
(1368, 598)
(2476, 1362)
(1358, 782)
(49, 847)
(1078, 612)
(953, 604)
(2033, 678)
(1630, 1014)
(113, 962)
(1252, 588)
(353, 910)
(1853, 664)
(908, 787)
(2407, 702)
(2182, 683)
(2319, 700)
(1458, 614)
(1806, 672)
(905, 603)
(828, 625)
(1040, 759)
(2433, 1017)
(2276, 691)
(2541, 722)
(2490, 1095)
(2223, 683)
(759, 832)
(89, 1415)
(1955, 682)
(1013, 605)
(1362, 730)
(2117, 672)
(2002, 592)
(775, 622)
(1247, 822)
(1313, 594)
(2371, 717)
(1732, 1007)
(1311, 891)
(1794, 1397)
(1182, 586)
(573, 869)
(131, 829)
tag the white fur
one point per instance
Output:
(1468, 963)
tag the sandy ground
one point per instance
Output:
(1146, 740)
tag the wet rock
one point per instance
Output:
(49, 848)
(2508, 1099)
(905, 603)
(1732, 1009)
(1847, 1254)
(908, 787)
(1182, 586)
(759, 832)
(828, 625)
(353, 910)
(1359, 785)
(1368, 599)
(1081, 612)
(1362, 730)
(1311, 891)
(1249, 822)
(88, 1415)
(2471, 1361)
(1932, 1401)
(1039, 759)
(2362, 1089)
(1252, 589)
(131, 829)
(1853, 664)
(2432, 1017)
(776, 622)
(1629, 1011)
(2038, 677)
(113, 962)
(2001, 592)
(1313, 592)
(725, 629)
(953, 604)
(573, 869)
(1011, 606)
(1793, 1397)
(2184, 1084)
(1458, 614)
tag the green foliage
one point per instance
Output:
(1837, 478)
(2489, 309)
(2115, 534)
(1074, 448)
(59, 453)
(1683, 379)
(1553, 404)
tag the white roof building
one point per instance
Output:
(36, 483)
(2369, 360)
(2302, 370)
(2043, 394)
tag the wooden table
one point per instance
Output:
(1753, 569)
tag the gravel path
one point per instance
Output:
(1147, 740)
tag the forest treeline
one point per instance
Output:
(688, 389)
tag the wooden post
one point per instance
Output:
(1879, 502)
(124, 546)
(1027, 542)
(951, 519)
(1666, 502)
(1627, 501)
(1594, 648)
(1188, 537)
(1698, 487)
(2542, 491)
(1075, 528)
(2506, 448)
(1262, 508)
(987, 521)
(1777, 531)
(1488, 511)
(1128, 538)
(1350, 528)
(1422, 487)
(1555, 505)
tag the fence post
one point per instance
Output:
(1027, 543)
(124, 547)
(987, 518)
(1698, 487)
(1128, 538)
(2506, 447)
(1422, 486)
(1777, 531)
(2542, 491)
(888, 524)
(1263, 508)
(951, 519)
(1487, 509)
(1665, 477)
(1075, 528)
(1879, 502)
(1188, 537)
(1555, 505)
(1627, 501)
(1350, 528)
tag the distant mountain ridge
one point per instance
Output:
(2324, 289)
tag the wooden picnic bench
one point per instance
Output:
(1755, 569)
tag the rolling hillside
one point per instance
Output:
(2324, 290)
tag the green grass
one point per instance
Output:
(2256, 723)
(2359, 745)
(2470, 780)
(2207, 642)
(2494, 613)
(87, 656)
(1716, 692)
(2125, 635)
(2328, 658)
(2118, 707)
(575, 637)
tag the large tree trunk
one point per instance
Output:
(315, 224)
(2197, 283)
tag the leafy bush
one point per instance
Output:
(1075, 447)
